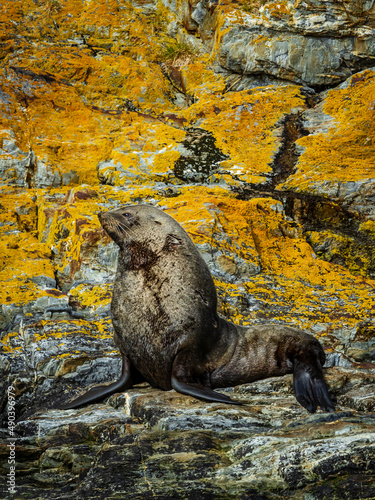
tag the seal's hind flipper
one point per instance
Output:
(102, 391)
(310, 388)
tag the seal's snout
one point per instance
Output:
(102, 218)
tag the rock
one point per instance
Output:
(293, 56)
(236, 136)
(362, 398)
(342, 163)
(28, 277)
(223, 449)
(199, 157)
(15, 165)
(281, 40)
(344, 250)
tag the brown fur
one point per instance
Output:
(164, 312)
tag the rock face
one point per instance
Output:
(251, 123)
(312, 43)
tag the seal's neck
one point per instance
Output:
(137, 255)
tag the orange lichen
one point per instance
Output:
(242, 124)
(200, 80)
(312, 290)
(347, 151)
(144, 152)
(67, 105)
(83, 86)
(70, 227)
(23, 259)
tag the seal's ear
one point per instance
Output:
(171, 242)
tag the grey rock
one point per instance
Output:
(298, 58)
(14, 163)
(313, 43)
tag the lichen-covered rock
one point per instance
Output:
(247, 128)
(26, 270)
(337, 157)
(264, 268)
(112, 102)
(313, 43)
(15, 165)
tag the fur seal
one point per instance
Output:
(164, 313)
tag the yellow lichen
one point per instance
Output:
(347, 151)
(278, 9)
(76, 103)
(18, 210)
(93, 296)
(312, 291)
(106, 101)
(242, 124)
(23, 259)
(368, 227)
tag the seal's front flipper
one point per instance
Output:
(102, 391)
(183, 382)
(310, 388)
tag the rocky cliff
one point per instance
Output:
(250, 122)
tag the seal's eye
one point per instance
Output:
(127, 214)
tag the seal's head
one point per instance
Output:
(144, 225)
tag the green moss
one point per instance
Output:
(177, 51)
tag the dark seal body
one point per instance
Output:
(164, 312)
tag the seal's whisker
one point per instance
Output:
(124, 229)
(121, 225)
(114, 225)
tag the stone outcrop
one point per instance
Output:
(251, 123)
(312, 43)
